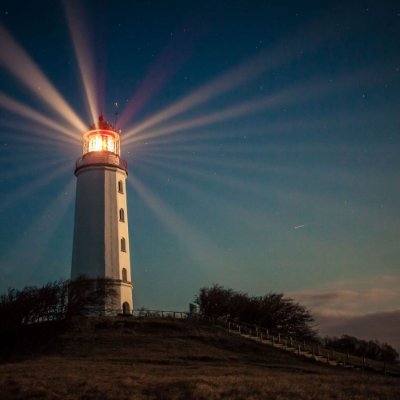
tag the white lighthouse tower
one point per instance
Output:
(101, 238)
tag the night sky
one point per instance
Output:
(262, 139)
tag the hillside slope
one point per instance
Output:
(175, 359)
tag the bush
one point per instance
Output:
(273, 311)
(56, 301)
(371, 349)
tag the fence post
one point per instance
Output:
(239, 328)
(261, 336)
(347, 359)
(267, 334)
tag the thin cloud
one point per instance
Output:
(383, 326)
(375, 294)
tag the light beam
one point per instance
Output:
(21, 193)
(29, 113)
(300, 93)
(82, 50)
(19, 64)
(199, 248)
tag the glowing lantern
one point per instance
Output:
(101, 138)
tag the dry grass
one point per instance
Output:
(162, 359)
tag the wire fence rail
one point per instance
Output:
(313, 350)
(286, 342)
(160, 314)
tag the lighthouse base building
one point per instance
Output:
(101, 236)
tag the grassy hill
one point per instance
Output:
(123, 358)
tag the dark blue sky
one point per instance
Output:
(278, 172)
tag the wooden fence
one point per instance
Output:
(160, 314)
(311, 350)
(283, 341)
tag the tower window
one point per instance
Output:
(124, 275)
(122, 215)
(120, 187)
(123, 244)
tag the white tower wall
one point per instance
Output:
(99, 230)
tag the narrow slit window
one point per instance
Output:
(122, 215)
(120, 187)
(124, 275)
(123, 244)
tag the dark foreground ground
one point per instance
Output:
(167, 359)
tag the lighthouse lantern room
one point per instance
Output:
(101, 236)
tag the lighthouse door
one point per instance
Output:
(126, 309)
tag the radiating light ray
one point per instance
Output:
(197, 150)
(27, 112)
(297, 45)
(280, 126)
(289, 49)
(171, 58)
(251, 224)
(281, 192)
(247, 153)
(198, 247)
(82, 48)
(174, 142)
(204, 136)
(21, 193)
(214, 177)
(260, 167)
(251, 164)
(233, 213)
(332, 175)
(13, 157)
(191, 143)
(30, 168)
(34, 135)
(24, 140)
(262, 149)
(37, 236)
(19, 64)
(300, 93)
(212, 118)
(37, 134)
(323, 208)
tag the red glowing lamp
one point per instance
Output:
(101, 137)
(101, 146)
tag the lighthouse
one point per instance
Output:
(101, 237)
